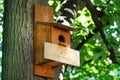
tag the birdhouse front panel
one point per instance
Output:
(60, 36)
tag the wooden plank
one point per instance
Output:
(43, 13)
(57, 25)
(41, 32)
(44, 71)
(61, 54)
(52, 64)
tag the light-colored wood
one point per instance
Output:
(44, 71)
(61, 54)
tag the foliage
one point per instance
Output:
(1, 23)
(56, 5)
(1, 20)
(94, 56)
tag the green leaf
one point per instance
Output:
(98, 49)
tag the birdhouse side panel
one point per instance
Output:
(41, 34)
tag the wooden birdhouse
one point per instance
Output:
(51, 43)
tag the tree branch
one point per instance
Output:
(87, 38)
(100, 28)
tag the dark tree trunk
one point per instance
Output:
(18, 54)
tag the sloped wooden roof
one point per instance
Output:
(57, 25)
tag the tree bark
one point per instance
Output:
(18, 57)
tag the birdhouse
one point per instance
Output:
(51, 43)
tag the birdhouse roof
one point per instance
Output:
(57, 25)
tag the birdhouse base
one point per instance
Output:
(46, 69)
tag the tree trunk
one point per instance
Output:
(18, 57)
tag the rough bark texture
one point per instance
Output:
(18, 54)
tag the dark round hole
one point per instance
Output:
(61, 38)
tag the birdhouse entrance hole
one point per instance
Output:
(61, 38)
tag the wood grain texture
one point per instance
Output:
(61, 54)
(44, 71)
(43, 13)
(41, 32)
